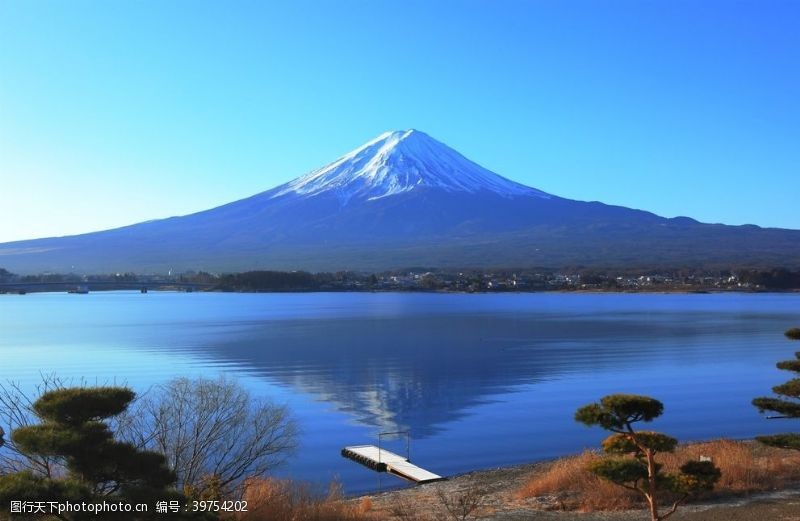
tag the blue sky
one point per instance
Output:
(117, 112)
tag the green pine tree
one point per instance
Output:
(632, 463)
(96, 467)
(788, 405)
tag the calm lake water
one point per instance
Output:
(480, 380)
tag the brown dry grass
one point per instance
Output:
(576, 488)
(746, 467)
(284, 500)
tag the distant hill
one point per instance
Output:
(405, 199)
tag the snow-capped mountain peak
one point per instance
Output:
(398, 162)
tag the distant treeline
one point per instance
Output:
(772, 279)
(428, 279)
(282, 281)
(7, 277)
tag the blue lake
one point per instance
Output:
(480, 380)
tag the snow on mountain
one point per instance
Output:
(398, 162)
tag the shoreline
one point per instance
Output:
(501, 499)
(663, 291)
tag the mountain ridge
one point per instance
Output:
(403, 199)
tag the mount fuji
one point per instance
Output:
(405, 199)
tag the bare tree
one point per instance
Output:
(406, 509)
(213, 432)
(16, 411)
(461, 504)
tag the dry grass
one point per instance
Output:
(283, 500)
(746, 467)
(437, 502)
(575, 488)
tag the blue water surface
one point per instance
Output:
(480, 380)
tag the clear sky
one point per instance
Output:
(114, 112)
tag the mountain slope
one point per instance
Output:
(404, 199)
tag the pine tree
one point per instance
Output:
(632, 463)
(96, 467)
(788, 405)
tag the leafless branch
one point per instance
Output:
(212, 428)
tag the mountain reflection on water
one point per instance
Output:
(420, 374)
(480, 380)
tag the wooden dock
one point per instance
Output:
(382, 460)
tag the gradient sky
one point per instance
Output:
(115, 112)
